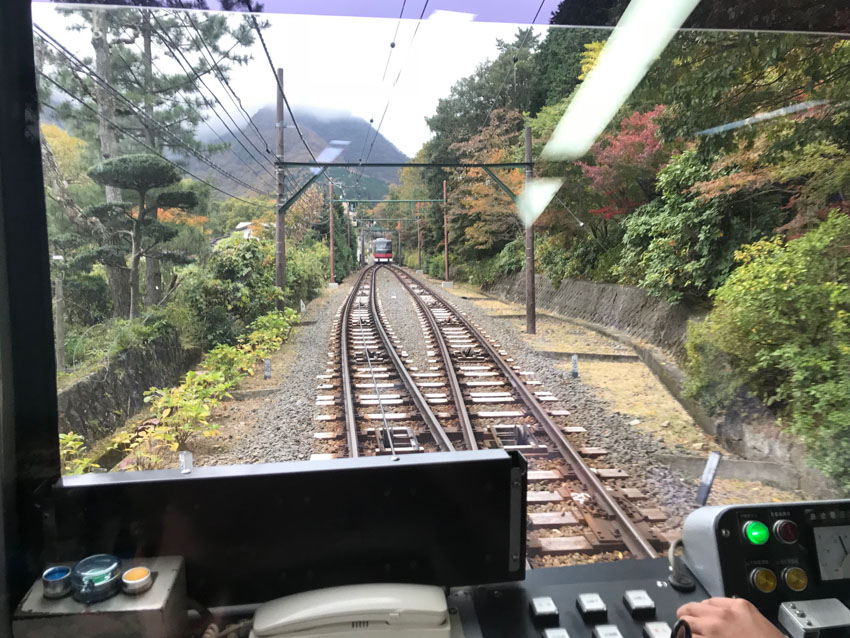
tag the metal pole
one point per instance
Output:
(331, 239)
(530, 310)
(419, 234)
(445, 232)
(280, 217)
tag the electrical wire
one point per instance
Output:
(140, 114)
(392, 44)
(143, 143)
(172, 47)
(280, 87)
(386, 108)
(192, 108)
(222, 78)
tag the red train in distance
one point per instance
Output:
(382, 251)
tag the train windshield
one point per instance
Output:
(215, 182)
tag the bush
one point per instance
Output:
(236, 287)
(87, 299)
(680, 246)
(307, 271)
(781, 327)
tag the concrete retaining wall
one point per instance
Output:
(627, 309)
(100, 402)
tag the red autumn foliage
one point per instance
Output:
(626, 163)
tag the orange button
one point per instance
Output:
(136, 573)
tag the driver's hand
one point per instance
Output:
(727, 618)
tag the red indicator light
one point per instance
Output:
(786, 531)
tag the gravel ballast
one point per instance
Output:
(282, 420)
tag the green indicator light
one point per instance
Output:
(756, 532)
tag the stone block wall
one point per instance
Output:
(101, 401)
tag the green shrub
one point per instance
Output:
(72, 454)
(679, 246)
(307, 271)
(267, 333)
(781, 327)
(435, 266)
(236, 287)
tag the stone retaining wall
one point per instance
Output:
(101, 401)
(627, 309)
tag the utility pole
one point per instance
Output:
(331, 240)
(419, 233)
(530, 309)
(280, 216)
(445, 232)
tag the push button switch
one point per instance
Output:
(657, 630)
(592, 608)
(555, 632)
(639, 604)
(544, 610)
(606, 631)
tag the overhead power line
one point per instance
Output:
(280, 86)
(386, 108)
(222, 77)
(392, 43)
(185, 101)
(144, 144)
(105, 84)
(173, 49)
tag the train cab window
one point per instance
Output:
(276, 277)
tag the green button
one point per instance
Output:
(756, 532)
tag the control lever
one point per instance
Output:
(680, 577)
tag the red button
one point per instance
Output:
(786, 531)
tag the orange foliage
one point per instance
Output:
(177, 216)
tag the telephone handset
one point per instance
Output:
(361, 611)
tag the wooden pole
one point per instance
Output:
(445, 232)
(419, 233)
(280, 216)
(530, 306)
(331, 239)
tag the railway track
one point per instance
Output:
(473, 396)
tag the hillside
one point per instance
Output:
(318, 132)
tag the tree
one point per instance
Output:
(625, 163)
(164, 107)
(140, 173)
(480, 210)
(680, 246)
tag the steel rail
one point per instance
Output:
(437, 431)
(460, 405)
(633, 538)
(347, 387)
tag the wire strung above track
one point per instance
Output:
(144, 144)
(392, 88)
(87, 70)
(173, 49)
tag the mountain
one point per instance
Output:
(318, 130)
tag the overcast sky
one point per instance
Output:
(338, 63)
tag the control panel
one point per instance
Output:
(626, 599)
(772, 553)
